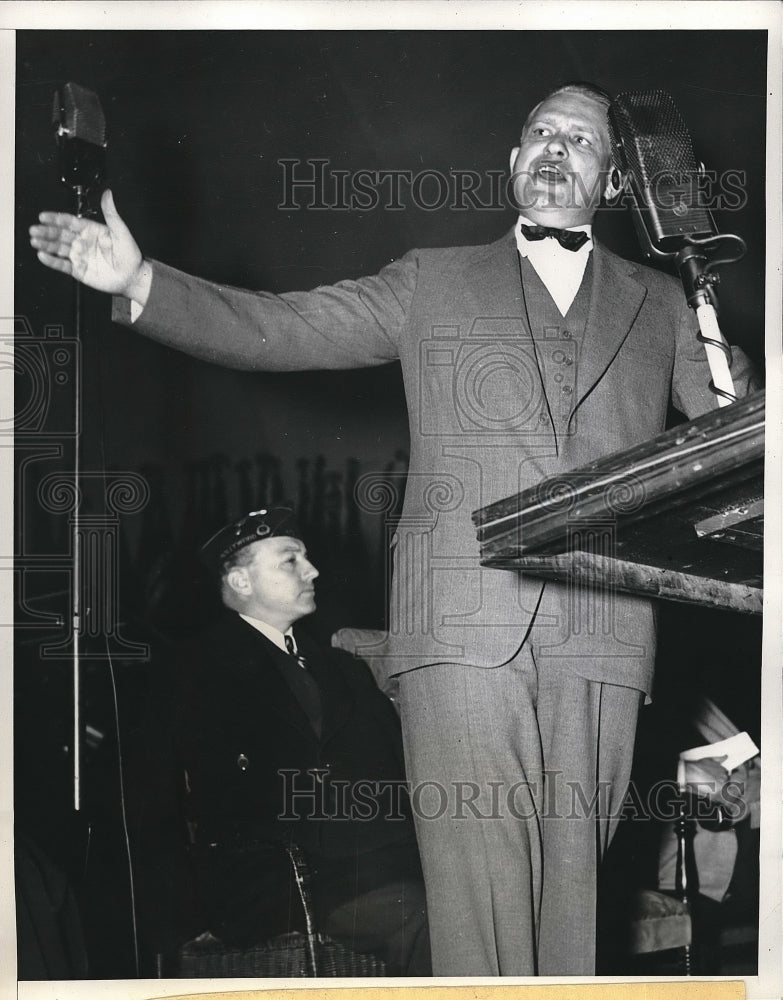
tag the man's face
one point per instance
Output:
(277, 583)
(560, 167)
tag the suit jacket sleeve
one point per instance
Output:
(691, 377)
(352, 324)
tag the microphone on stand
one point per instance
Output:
(81, 144)
(654, 149)
(81, 139)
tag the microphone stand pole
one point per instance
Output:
(76, 595)
(81, 142)
(699, 279)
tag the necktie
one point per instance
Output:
(289, 645)
(304, 687)
(567, 238)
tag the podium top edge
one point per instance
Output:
(743, 420)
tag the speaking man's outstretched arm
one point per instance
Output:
(348, 325)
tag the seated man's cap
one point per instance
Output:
(258, 524)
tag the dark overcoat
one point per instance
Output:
(235, 771)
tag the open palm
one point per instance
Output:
(105, 257)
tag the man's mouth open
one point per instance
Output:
(550, 174)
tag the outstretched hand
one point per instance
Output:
(104, 257)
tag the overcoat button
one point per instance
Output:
(242, 762)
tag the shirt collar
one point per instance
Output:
(273, 634)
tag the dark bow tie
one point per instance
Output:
(567, 238)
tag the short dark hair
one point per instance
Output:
(242, 557)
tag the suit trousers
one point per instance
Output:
(518, 774)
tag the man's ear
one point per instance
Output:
(237, 580)
(615, 184)
(512, 159)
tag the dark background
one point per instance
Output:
(197, 123)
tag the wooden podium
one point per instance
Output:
(679, 517)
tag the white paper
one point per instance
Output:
(736, 749)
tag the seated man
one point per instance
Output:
(262, 739)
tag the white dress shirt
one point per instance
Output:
(561, 270)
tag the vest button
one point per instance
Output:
(558, 377)
(566, 334)
(568, 361)
(567, 389)
(542, 419)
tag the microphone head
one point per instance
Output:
(653, 146)
(81, 136)
(78, 114)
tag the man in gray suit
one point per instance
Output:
(521, 359)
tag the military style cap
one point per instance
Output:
(258, 524)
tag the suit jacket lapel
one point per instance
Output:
(252, 658)
(337, 700)
(615, 301)
(497, 293)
